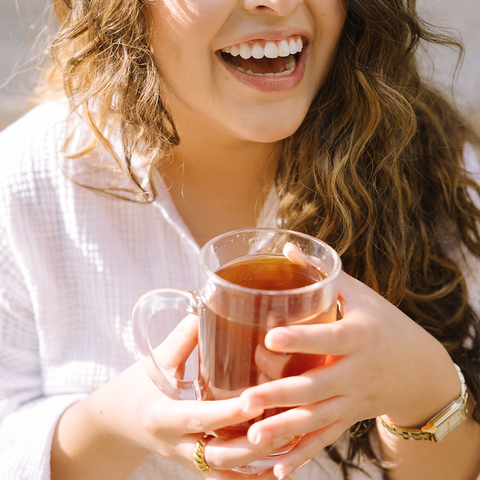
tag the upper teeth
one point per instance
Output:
(258, 50)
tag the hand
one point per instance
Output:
(379, 362)
(125, 419)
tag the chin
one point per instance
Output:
(270, 131)
(272, 138)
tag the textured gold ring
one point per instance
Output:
(199, 454)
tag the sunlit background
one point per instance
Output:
(26, 26)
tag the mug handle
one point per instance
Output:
(146, 306)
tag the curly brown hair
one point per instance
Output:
(376, 169)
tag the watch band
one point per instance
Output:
(439, 426)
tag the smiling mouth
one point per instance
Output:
(262, 58)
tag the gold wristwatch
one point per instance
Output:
(443, 423)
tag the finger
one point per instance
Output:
(344, 337)
(234, 475)
(349, 287)
(334, 379)
(195, 417)
(180, 343)
(338, 338)
(270, 364)
(307, 448)
(186, 451)
(296, 255)
(310, 387)
(223, 454)
(300, 420)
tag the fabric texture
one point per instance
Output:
(73, 262)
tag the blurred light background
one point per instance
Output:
(27, 25)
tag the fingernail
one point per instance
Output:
(280, 340)
(284, 472)
(280, 442)
(262, 436)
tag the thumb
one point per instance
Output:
(174, 351)
(354, 295)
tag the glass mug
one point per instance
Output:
(248, 285)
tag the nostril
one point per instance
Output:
(282, 8)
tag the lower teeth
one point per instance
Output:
(269, 74)
(290, 67)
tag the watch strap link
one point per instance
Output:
(406, 433)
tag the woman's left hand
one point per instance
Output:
(379, 362)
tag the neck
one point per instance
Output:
(219, 185)
(225, 158)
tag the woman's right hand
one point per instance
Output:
(108, 434)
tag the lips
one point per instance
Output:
(265, 58)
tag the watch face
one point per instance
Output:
(449, 423)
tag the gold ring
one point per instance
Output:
(199, 454)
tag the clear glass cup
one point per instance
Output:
(248, 285)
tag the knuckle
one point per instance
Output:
(195, 423)
(321, 421)
(339, 333)
(303, 457)
(150, 421)
(356, 335)
(148, 424)
(182, 417)
(316, 394)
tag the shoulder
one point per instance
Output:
(30, 149)
(31, 170)
(37, 125)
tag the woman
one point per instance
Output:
(209, 116)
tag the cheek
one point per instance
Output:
(330, 20)
(167, 42)
(331, 29)
(188, 19)
(180, 13)
(181, 32)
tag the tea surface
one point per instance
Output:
(270, 272)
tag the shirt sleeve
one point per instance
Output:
(27, 416)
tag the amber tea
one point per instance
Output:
(232, 337)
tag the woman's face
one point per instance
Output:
(247, 69)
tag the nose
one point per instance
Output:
(278, 7)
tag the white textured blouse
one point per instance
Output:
(73, 262)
